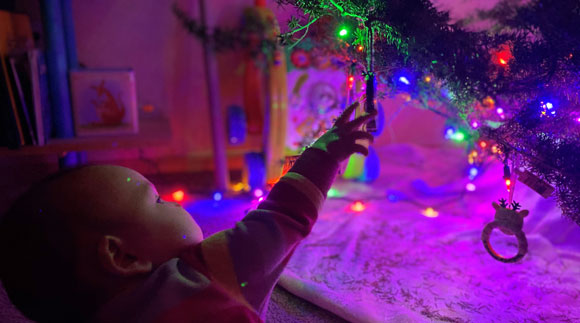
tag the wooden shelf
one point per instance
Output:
(152, 132)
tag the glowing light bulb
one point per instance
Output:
(488, 101)
(178, 195)
(474, 124)
(360, 48)
(217, 196)
(333, 193)
(473, 171)
(470, 187)
(449, 132)
(578, 120)
(427, 78)
(343, 32)
(482, 144)
(404, 80)
(430, 213)
(549, 105)
(238, 187)
(502, 61)
(357, 206)
(260, 199)
(508, 183)
(499, 111)
(458, 136)
(258, 193)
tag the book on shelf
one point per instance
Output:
(40, 95)
(11, 134)
(28, 87)
(24, 106)
(21, 85)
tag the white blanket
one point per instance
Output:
(390, 263)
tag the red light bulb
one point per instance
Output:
(178, 195)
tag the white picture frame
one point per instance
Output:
(104, 102)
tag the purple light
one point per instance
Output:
(258, 192)
(578, 120)
(499, 111)
(474, 124)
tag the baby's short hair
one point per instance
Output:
(38, 255)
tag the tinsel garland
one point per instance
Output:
(531, 56)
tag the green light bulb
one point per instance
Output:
(458, 136)
(343, 32)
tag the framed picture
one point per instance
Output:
(104, 102)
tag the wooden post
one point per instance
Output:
(217, 120)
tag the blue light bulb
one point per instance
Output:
(473, 172)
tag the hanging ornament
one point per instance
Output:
(509, 221)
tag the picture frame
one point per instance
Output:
(104, 102)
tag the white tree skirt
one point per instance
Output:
(390, 263)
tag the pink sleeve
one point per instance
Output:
(249, 258)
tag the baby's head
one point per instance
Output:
(84, 235)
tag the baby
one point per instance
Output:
(98, 244)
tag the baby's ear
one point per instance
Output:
(115, 259)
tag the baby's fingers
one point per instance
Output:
(357, 135)
(356, 148)
(356, 123)
(345, 115)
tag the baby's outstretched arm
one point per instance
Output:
(249, 258)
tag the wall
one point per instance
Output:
(169, 69)
(170, 75)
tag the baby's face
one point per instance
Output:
(153, 229)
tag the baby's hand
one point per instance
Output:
(341, 140)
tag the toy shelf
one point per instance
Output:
(152, 132)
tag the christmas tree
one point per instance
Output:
(511, 92)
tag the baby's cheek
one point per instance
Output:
(189, 231)
(193, 235)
